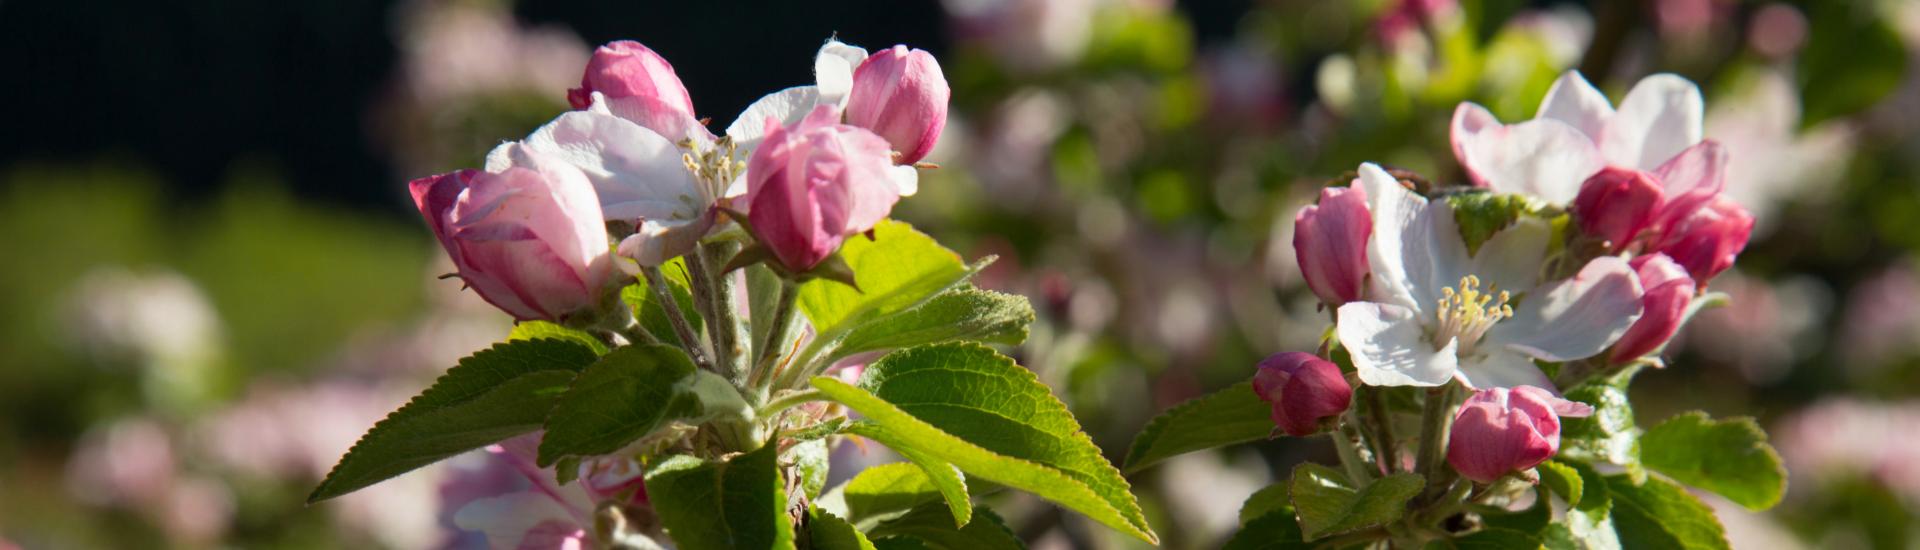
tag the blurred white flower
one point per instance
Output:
(156, 320)
(1770, 159)
(1764, 328)
(462, 49)
(1027, 36)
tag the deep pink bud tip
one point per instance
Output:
(1303, 389)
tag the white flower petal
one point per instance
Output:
(1503, 369)
(1575, 318)
(1446, 251)
(656, 241)
(833, 70)
(1510, 259)
(1398, 251)
(1469, 119)
(1661, 116)
(1542, 158)
(1389, 347)
(906, 179)
(636, 172)
(1574, 101)
(787, 106)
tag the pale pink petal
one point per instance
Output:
(1660, 117)
(1390, 348)
(1574, 101)
(1575, 318)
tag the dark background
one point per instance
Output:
(187, 88)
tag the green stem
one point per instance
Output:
(715, 292)
(768, 350)
(790, 400)
(1383, 437)
(689, 340)
(1435, 419)
(1349, 451)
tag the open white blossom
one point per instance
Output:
(1438, 312)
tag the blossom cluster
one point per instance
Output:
(556, 224)
(631, 178)
(1583, 243)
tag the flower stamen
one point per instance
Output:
(1465, 315)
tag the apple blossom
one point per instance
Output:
(527, 238)
(1668, 293)
(1500, 431)
(1575, 133)
(1303, 390)
(1439, 313)
(812, 185)
(624, 69)
(548, 515)
(901, 95)
(1330, 243)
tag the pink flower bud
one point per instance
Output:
(1500, 431)
(529, 239)
(626, 69)
(901, 95)
(1706, 242)
(1330, 242)
(1668, 293)
(811, 186)
(1616, 204)
(1303, 389)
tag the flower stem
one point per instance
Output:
(768, 351)
(681, 327)
(789, 400)
(1435, 419)
(713, 291)
(1384, 439)
(1343, 443)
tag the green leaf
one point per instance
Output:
(1562, 479)
(620, 398)
(1660, 514)
(828, 532)
(1328, 504)
(1274, 530)
(1529, 520)
(947, 480)
(1226, 417)
(534, 330)
(1492, 538)
(1852, 60)
(651, 313)
(734, 504)
(1730, 457)
(961, 314)
(933, 526)
(1267, 500)
(492, 395)
(811, 460)
(897, 270)
(888, 490)
(1609, 435)
(763, 298)
(1588, 524)
(976, 409)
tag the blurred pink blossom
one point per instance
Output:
(1843, 437)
